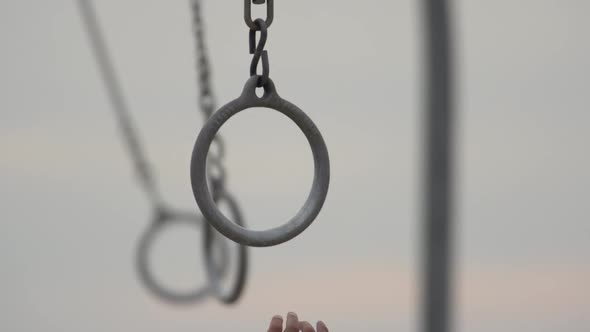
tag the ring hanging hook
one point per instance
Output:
(259, 52)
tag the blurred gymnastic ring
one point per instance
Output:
(161, 220)
(214, 276)
(321, 178)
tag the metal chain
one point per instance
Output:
(257, 49)
(216, 169)
(144, 172)
(259, 52)
(216, 172)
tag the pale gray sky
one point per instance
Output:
(72, 211)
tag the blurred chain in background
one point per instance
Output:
(216, 172)
(215, 247)
(131, 139)
(207, 103)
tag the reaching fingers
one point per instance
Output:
(322, 327)
(276, 324)
(292, 323)
(305, 327)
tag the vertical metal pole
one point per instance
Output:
(438, 162)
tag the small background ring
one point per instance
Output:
(143, 263)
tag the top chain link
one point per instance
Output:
(270, 7)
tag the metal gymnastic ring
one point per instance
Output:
(213, 273)
(321, 178)
(161, 220)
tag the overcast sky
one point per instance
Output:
(72, 211)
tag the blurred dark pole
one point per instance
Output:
(438, 168)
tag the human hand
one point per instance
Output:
(294, 325)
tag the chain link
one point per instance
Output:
(270, 8)
(257, 49)
(259, 52)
